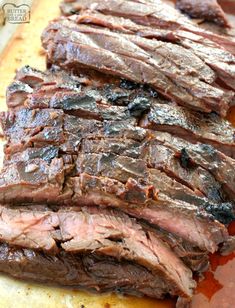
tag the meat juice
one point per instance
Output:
(217, 287)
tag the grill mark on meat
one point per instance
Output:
(205, 156)
(135, 149)
(84, 194)
(191, 126)
(221, 133)
(82, 127)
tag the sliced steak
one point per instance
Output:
(206, 156)
(93, 272)
(126, 174)
(93, 230)
(62, 130)
(88, 137)
(121, 186)
(112, 138)
(154, 13)
(124, 138)
(134, 58)
(192, 126)
(220, 60)
(195, 258)
(130, 103)
(208, 10)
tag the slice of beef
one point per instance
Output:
(204, 155)
(64, 131)
(33, 180)
(192, 126)
(208, 10)
(200, 70)
(196, 259)
(188, 182)
(17, 93)
(92, 272)
(68, 92)
(88, 136)
(89, 101)
(105, 232)
(134, 58)
(161, 211)
(220, 60)
(150, 13)
(32, 127)
(37, 181)
(123, 138)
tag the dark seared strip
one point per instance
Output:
(86, 136)
(93, 101)
(206, 156)
(191, 126)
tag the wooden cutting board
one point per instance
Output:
(25, 48)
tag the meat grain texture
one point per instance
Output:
(206, 9)
(121, 165)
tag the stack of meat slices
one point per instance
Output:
(119, 183)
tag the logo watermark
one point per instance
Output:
(16, 14)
